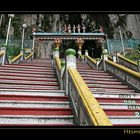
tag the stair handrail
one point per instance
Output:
(128, 63)
(110, 58)
(81, 57)
(2, 57)
(93, 62)
(16, 59)
(86, 108)
(29, 56)
(85, 101)
(1, 53)
(59, 68)
(127, 75)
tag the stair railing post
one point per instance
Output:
(62, 73)
(33, 46)
(138, 65)
(55, 54)
(117, 58)
(3, 48)
(104, 57)
(97, 62)
(22, 44)
(70, 62)
(86, 54)
(114, 58)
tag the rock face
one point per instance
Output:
(133, 24)
(129, 25)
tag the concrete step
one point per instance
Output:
(103, 82)
(34, 111)
(28, 78)
(26, 66)
(28, 87)
(28, 72)
(120, 95)
(25, 82)
(35, 93)
(107, 86)
(33, 104)
(94, 73)
(119, 100)
(28, 69)
(113, 105)
(122, 112)
(125, 120)
(33, 75)
(99, 79)
(103, 90)
(97, 76)
(35, 120)
(57, 98)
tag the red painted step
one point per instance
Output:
(122, 112)
(24, 82)
(37, 125)
(30, 88)
(28, 79)
(101, 82)
(118, 100)
(33, 98)
(27, 71)
(22, 74)
(35, 111)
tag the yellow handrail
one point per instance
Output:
(28, 56)
(1, 53)
(129, 71)
(110, 57)
(15, 58)
(81, 56)
(130, 61)
(91, 59)
(58, 62)
(95, 112)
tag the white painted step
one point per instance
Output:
(102, 82)
(31, 119)
(34, 104)
(32, 92)
(97, 90)
(27, 67)
(27, 78)
(117, 95)
(99, 79)
(28, 82)
(107, 86)
(44, 75)
(130, 106)
(28, 86)
(125, 120)
(27, 71)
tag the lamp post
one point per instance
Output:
(120, 32)
(23, 31)
(10, 17)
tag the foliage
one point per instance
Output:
(134, 55)
(16, 23)
(13, 51)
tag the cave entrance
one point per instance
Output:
(94, 48)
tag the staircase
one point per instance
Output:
(120, 102)
(30, 96)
